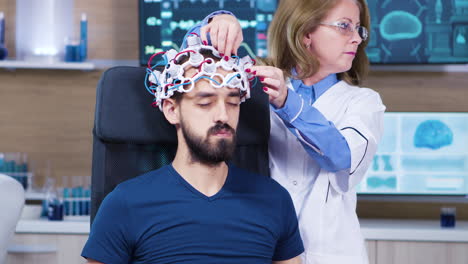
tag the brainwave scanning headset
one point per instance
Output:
(163, 84)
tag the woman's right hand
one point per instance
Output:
(225, 33)
(274, 84)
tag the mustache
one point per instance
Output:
(221, 126)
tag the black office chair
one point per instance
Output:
(130, 137)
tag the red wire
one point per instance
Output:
(182, 52)
(207, 60)
(152, 56)
(193, 33)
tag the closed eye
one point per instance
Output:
(234, 100)
(204, 105)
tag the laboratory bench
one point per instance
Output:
(388, 241)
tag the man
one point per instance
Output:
(199, 209)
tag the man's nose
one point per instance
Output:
(221, 114)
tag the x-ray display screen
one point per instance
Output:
(164, 23)
(402, 31)
(420, 153)
(418, 31)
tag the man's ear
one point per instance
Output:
(171, 110)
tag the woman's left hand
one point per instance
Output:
(274, 84)
(225, 33)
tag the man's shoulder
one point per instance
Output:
(259, 181)
(146, 180)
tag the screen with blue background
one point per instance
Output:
(163, 23)
(418, 31)
(420, 153)
(402, 31)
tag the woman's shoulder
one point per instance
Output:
(356, 92)
(355, 88)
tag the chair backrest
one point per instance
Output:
(11, 205)
(131, 137)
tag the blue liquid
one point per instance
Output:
(447, 220)
(3, 49)
(55, 212)
(82, 207)
(3, 52)
(83, 39)
(72, 53)
(66, 201)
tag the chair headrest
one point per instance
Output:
(124, 113)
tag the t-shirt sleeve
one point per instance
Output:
(289, 244)
(108, 240)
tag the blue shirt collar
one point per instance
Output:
(319, 87)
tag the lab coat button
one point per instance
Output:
(295, 182)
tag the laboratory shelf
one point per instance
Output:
(372, 229)
(84, 66)
(421, 67)
(32, 195)
(17, 64)
(413, 230)
(45, 226)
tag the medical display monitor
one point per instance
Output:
(163, 23)
(418, 31)
(402, 31)
(420, 154)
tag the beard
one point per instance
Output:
(206, 152)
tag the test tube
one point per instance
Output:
(87, 195)
(448, 216)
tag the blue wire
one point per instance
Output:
(160, 63)
(237, 57)
(149, 72)
(201, 77)
(237, 75)
(206, 77)
(175, 86)
(146, 81)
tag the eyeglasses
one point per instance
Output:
(347, 28)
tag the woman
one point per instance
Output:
(324, 128)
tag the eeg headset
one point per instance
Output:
(163, 84)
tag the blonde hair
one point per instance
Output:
(296, 18)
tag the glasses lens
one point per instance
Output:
(363, 33)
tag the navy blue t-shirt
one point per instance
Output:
(159, 217)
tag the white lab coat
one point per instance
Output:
(325, 202)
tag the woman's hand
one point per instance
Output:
(225, 33)
(274, 84)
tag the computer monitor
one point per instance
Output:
(402, 31)
(163, 23)
(420, 154)
(418, 31)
